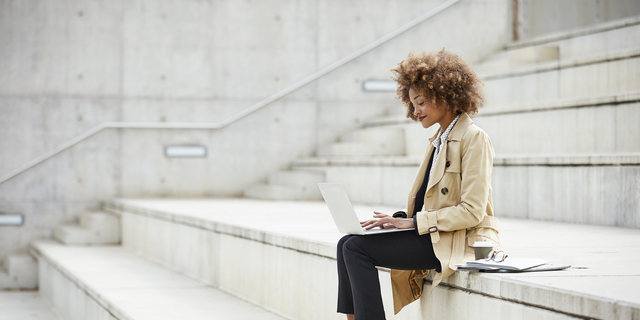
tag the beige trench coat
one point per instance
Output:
(457, 203)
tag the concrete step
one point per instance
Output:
(288, 185)
(598, 124)
(282, 192)
(387, 135)
(386, 148)
(19, 271)
(605, 74)
(94, 228)
(264, 258)
(585, 159)
(374, 141)
(585, 186)
(621, 35)
(519, 57)
(297, 178)
(112, 283)
(22, 305)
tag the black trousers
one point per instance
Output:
(358, 256)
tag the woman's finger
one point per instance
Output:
(366, 223)
(373, 224)
(379, 214)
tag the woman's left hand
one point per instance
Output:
(385, 221)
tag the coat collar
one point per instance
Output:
(458, 129)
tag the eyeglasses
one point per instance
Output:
(496, 256)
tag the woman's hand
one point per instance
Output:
(386, 222)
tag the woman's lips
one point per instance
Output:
(420, 118)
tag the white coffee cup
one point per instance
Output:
(482, 249)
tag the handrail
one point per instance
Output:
(219, 125)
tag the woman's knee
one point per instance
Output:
(341, 243)
(354, 243)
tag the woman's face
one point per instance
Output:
(427, 112)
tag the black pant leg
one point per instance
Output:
(345, 296)
(361, 254)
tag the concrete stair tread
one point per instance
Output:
(18, 305)
(128, 286)
(282, 192)
(522, 107)
(560, 64)
(499, 160)
(601, 286)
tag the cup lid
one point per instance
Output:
(483, 244)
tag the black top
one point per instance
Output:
(419, 203)
(423, 188)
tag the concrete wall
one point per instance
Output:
(70, 65)
(534, 18)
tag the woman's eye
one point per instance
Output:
(421, 103)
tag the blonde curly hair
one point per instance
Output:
(443, 78)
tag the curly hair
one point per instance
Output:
(443, 78)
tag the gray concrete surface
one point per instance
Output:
(24, 305)
(111, 283)
(540, 17)
(602, 284)
(72, 65)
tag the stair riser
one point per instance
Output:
(67, 299)
(72, 235)
(296, 179)
(598, 43)
(276, 192)
(601, 195)
(22, 272)
(375, 135)
(578, 82)
(273, 284)
(394, 148)
(600, 129)
(94, 229)
(621, 39)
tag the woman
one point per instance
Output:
(449, 205)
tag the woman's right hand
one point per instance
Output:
(378, 215)
(386, 221)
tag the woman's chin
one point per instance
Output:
(426, 124)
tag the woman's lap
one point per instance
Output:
(403, 250)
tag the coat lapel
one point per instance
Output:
(438, 167)
(455, 135)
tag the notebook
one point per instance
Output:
(515, 264)
(342, 211)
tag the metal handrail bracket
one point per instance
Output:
(219, 125)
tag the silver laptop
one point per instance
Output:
(342, 211)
